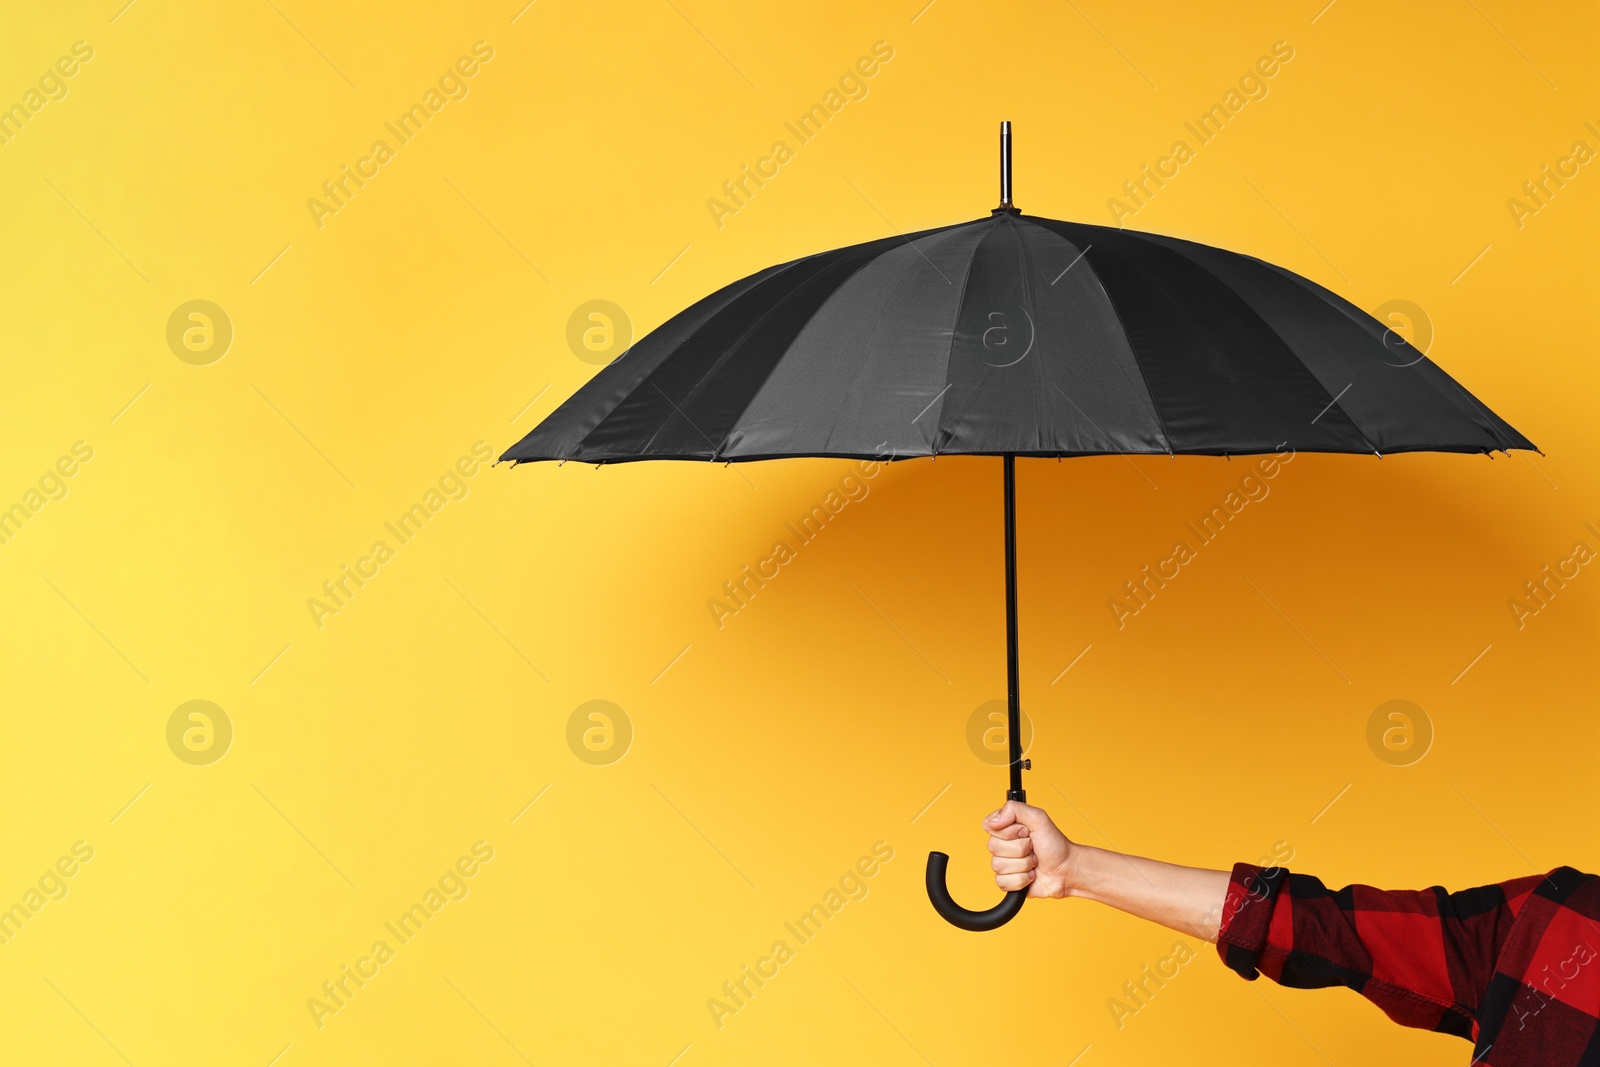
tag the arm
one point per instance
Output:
(1030, 852)
(1425, 957)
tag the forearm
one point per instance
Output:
(1186, 899)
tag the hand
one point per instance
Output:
(1028, 851)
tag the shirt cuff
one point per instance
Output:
(1247, 915)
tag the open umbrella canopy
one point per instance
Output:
(1017, 335)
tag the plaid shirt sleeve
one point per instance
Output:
(1426, 957)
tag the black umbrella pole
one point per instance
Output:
(1013, 680)
(938, 862)
(1005, 169)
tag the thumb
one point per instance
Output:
(1032, 818)
(1015, 811)
(1000, 819)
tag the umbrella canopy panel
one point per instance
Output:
(1017, 335)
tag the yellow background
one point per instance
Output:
(370, 753)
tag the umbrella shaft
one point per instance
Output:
(1013, 684)
(1005, 164)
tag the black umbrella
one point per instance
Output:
(1016, 336)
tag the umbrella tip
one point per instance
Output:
(1006, 206)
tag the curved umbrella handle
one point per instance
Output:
(955, 914)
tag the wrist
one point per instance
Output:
(1076, 871)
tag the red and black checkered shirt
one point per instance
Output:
(1514, 968)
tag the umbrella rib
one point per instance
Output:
(824, 261)
(1332, 403)
(719, 360)
(1127, 339)
(839, 413)
(716, 449)
(1029, 300)
(1178, 248)
(744, 286)
(1474, 409)
(1283, 341)
(955, 330)
(1121, 370)
(1489, 416)
(1354, 314)
(1079, 410)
